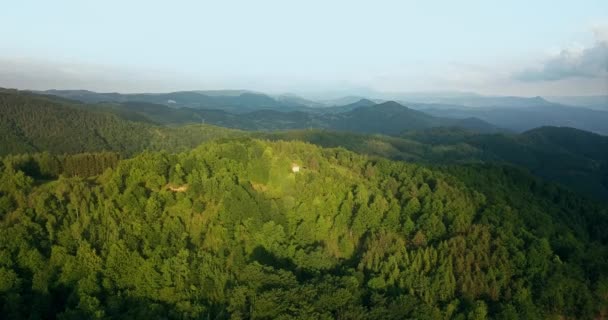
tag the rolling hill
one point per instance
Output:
(513, 113)
(363, 117)
(574, 158)
(393, 118)
(527, 118)
(227, 100)
(591, 102)
(31, 123)
(228, 230)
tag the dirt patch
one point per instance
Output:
(183, 188)
(259, 187)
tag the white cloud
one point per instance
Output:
(572, 62)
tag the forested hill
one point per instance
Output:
(393, 118)
(521, 119)
(574, 158)
(227, 100)
(31, 123)
(384, 118)
(517, 114)
(228, 230)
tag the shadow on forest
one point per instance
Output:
(65, 303)
(265, 257)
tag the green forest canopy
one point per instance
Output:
(30, 123)
(227, 230)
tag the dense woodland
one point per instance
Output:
(104, 214)
(30, 123)
(576, 159)
(227, 230)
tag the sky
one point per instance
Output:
(517, 47)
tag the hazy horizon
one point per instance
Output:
(365, 93)
(313, 48)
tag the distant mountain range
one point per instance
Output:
(364, 117)
(228, 100)
(393, 118)
(474, 111)
(484, 101)
(591, 102)
(526, 118)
